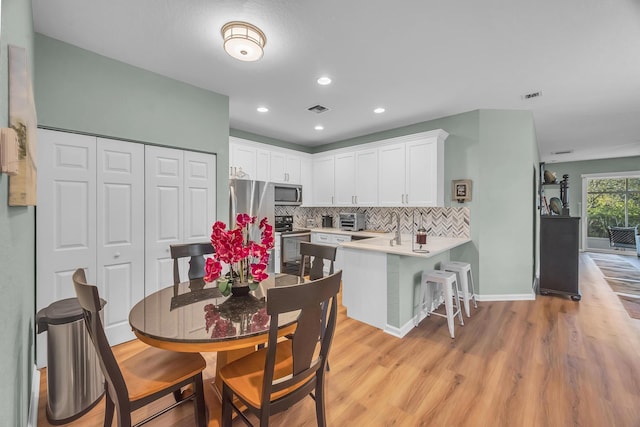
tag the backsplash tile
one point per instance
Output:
(446, 222)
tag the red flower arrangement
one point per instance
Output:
(246, 258)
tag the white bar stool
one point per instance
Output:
(465, 282)
(450, 289)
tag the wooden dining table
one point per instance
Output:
(203, 320)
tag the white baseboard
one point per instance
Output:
(35, 398)
(529, 296)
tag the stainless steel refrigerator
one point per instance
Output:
(255, 198)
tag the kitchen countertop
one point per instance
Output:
(380, 243)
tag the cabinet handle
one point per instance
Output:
(331, 199)
(406, 199)
(116, 255)
(356, 197)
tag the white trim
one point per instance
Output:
(529, 296)
(633, 174)
(32, 420)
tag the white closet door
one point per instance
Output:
(120, 233)
(65, 217)
(164, 207)
(199, 196)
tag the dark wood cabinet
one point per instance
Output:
(559, 251)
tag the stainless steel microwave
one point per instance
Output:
(287, 194)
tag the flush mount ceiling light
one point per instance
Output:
(243, 41)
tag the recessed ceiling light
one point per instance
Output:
(379, 110)
(262, 109)
(319, 127)
(324, 80)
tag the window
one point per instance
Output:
(612, 202)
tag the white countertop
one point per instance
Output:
(435, 245)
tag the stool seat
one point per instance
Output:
(448, 281)
(465, 282)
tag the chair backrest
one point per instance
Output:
(308, 298)
(90, 302)
(196, 251)
(315, 254)
(622, 237)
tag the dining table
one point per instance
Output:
(201, 319)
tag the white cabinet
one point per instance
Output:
(323, 180)
(285, 168)
(366, 177)
(345, 179)
(391, 175)
(242, 158)
(412, 173)
(306, 179)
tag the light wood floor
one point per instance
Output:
(549, 362)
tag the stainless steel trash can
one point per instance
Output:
(75, 382)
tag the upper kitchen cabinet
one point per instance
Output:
(411, 170)
(285, 168)
(356, 178)
(323, 180)
(246, 160)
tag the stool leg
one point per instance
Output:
(423, 286)
(473, 292)
(448, 305)
(458, 308)
(464, 285)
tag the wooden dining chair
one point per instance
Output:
(314, 255)
(195, 251)
(272, 379)
(136, 379)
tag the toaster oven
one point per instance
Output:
(352, 221)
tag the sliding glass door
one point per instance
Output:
(610, 201)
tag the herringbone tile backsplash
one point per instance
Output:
(446, 222)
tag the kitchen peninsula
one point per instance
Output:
(381, 282)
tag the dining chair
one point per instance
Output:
(195, 251)
(273, 378)
(142, 376)
(314, 255)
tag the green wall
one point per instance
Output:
(78, 90)
(17, 250)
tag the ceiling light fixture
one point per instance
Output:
(243, 41)
(262, 109)
(319, 127)
(379, 110)
(324, 81)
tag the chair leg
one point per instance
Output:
(458, 307)
(198, 399)
(177, 395)
(473, 291)
(319, 398)
(108, 410)
(448, 305)
(227, 407)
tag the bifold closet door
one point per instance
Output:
(90, 215)
(120, 233)
(180, 206)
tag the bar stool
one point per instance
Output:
(465, 282)
(450, 289)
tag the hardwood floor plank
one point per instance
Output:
(548, 362)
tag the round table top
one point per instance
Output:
(204, 319)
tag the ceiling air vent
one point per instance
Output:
(318, 109)
(563, 152)
(532, 95)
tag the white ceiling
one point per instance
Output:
(420, 59)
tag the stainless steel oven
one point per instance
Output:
(290, 239)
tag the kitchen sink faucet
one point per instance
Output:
(397, 237)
